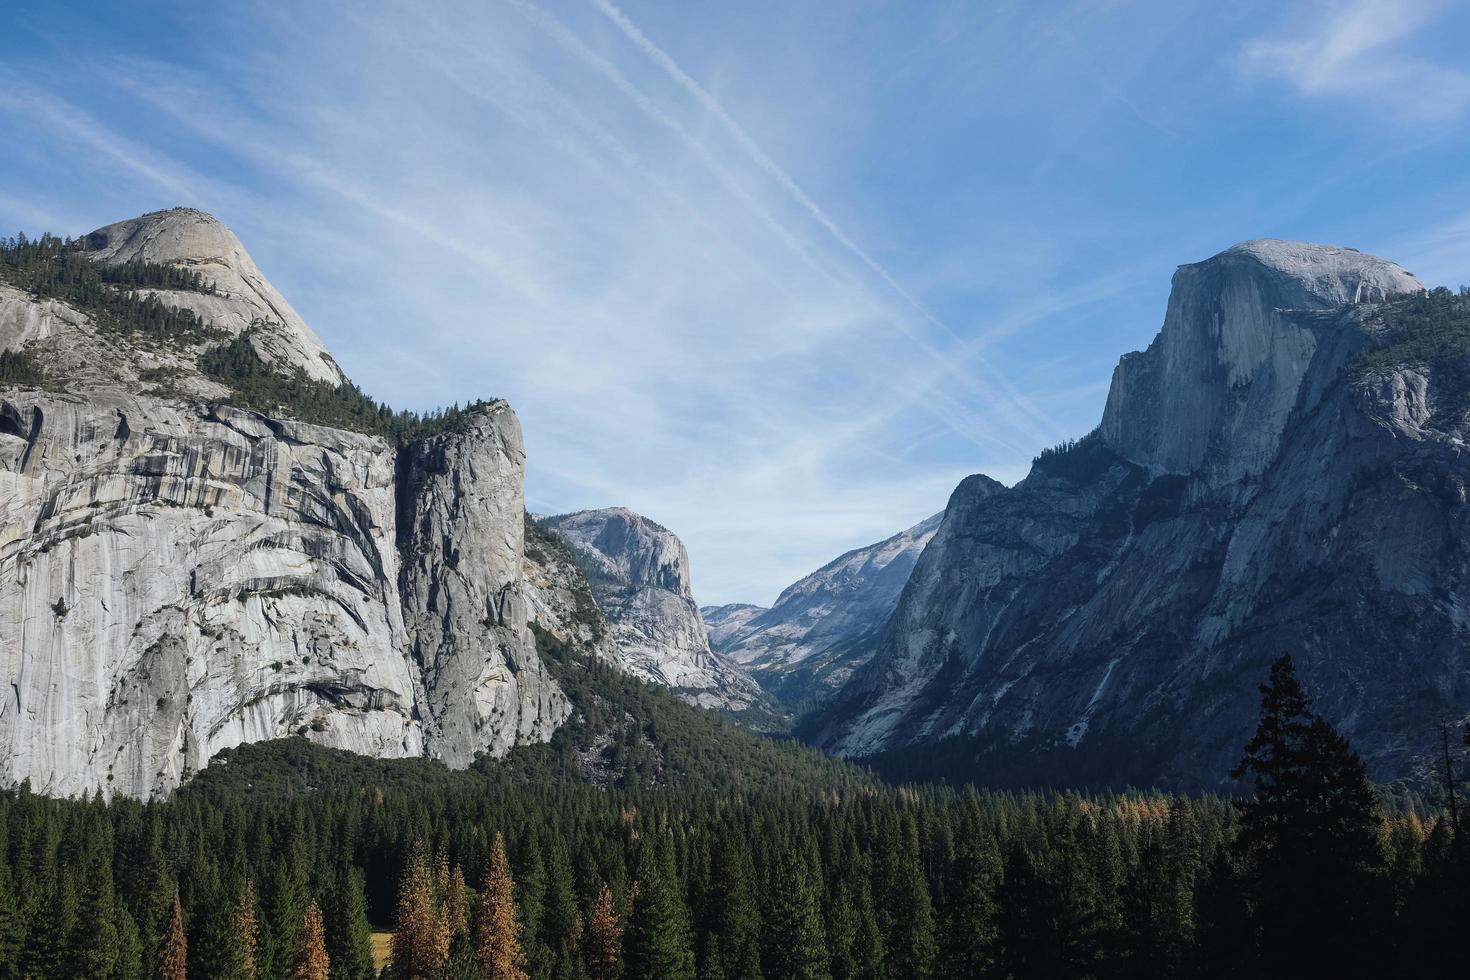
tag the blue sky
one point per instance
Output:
(777, 275)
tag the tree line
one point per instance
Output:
(117, 296)
(259, 386)
(482, 877)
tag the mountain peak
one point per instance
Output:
(1331, 275)
(245, 299)
(1223, 374)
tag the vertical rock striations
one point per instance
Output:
(178, 576)
(461, 534)
(639, 574)
(824, 626)
(1250, 490)
(174, 582)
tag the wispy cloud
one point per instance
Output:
(1358, 49)
(776, 273)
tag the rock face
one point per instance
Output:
(245, 298)
(639, 574)
(826, 625)
(174, 582)
(1249, 492)
(178, 576)
(461, 534)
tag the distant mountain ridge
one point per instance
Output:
(823, 626)
(640, 576)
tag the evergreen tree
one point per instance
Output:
(285, 912)
(970, 941)
(1311, 836)
(530, 897)
(421, 934)
(561, 923)
(657, 944)
(349, 937)
(734, 915)
(312, 961)
(173, 956)
(129, 962)
(603, 947)
(908, 911)
(795, 945)
(94, 941)
(497, 922)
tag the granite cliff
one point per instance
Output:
(639, 574)
(1261, 482)
(179, 574)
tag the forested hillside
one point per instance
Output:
(283, 858)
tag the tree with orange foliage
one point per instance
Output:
(604, 939)
(173, 956)
(497, 923)
(421, 936)
(312, 962)
(245, 923)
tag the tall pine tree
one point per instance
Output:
(657, 944)
(1310, 835)
(497, 922)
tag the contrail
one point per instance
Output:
(738, 133)
(710, 103)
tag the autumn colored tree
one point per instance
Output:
(421, 936)
(173, 955)
(497, 924)
(312, 962)
(247, 925)
(603, 950)
(456, 910)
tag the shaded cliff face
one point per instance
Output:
(824, 626)
(461, 535)
(178, 576)
(639, 574)
(1247, 493)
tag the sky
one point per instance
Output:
(775, 274)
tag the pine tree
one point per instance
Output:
(657, 943)
(349, 937)
(285, 911)
(312, 962)
(421, 934)
(604, 939)
(1311, 837)
(908, 922)
(795, 945)
(970, 941)
(247, 928)
(129, 962)
(1274, 756)
(497, 923)
(530, 896)
(735, 918)
(94, 942)
(561, 922)
(173, 955)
